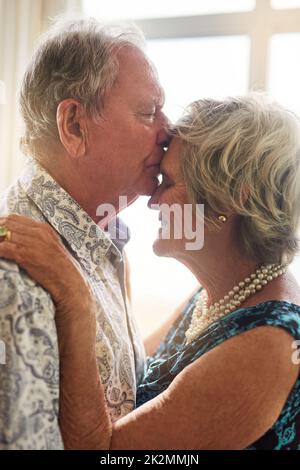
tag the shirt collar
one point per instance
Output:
(120, 235)
(81, 233)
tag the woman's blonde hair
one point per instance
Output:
(242, 155)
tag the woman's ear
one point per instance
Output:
(71, 124)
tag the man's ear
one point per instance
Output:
(71, 124)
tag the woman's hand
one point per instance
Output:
(38, 249)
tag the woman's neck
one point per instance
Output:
(217, 273)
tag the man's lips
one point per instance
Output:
(154, 165)
(155, 160)
(154, 169)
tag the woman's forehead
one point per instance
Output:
(170, 164)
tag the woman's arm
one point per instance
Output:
(83, 417)
(226, 399)
(37, 248)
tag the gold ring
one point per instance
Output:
(5, 233)
(8, 236)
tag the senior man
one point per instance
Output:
(95, 130)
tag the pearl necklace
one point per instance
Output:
(203, 316)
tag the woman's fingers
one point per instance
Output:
(9, 250)
(30, 230)
(20, 220)
(22, 239)
(18, 226)
(37, 248)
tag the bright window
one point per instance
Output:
(136, 9)
(284, 82)
(282, 4)
(285, 70)
(190, 69)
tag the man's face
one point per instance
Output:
(128, 140)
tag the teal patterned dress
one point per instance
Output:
(173, 355)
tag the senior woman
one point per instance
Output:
(225, 376)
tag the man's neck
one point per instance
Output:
(101, 203)
(75, 184)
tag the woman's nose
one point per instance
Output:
(153, 202)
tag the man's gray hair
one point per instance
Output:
(74, 59)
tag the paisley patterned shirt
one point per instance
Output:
(173, 355)
(29, 379)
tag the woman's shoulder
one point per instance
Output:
(276, 305)
(284, 288)
(252, 371)
(281, 314)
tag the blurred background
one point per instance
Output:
(201, 48)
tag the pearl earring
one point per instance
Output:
(222, 218)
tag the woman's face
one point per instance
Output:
(175, 212)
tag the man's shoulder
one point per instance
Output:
(15, 283)
(18, 289)
(29, 378)
(15, 200)
(11, 196)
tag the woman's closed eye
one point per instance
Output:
(166, 180)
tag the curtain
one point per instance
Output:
(21, 22)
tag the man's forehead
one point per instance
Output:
(161, 96)
(137, 68)
(154, 74)
(155, 95)
(149, 82)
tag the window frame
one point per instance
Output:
(260, 24)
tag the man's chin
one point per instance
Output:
(160, 247)
(149, 187)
